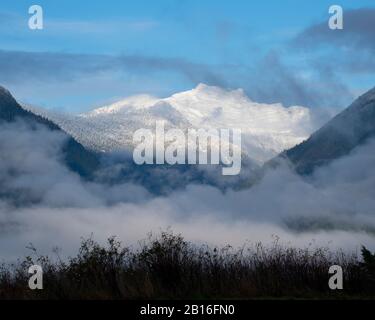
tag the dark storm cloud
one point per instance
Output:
(328, 58)
(358, 32)
(274, 81)
(336, 55)
(284, 85)
(350, 50)
(268, 81)
(195, 72)
(19, 66)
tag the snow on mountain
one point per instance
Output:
(267, 129)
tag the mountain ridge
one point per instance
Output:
(267, 129)
(77, 158)
(116, 168)
(347, 130)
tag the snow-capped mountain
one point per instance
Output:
(267, 129)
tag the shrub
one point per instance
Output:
(168, 267)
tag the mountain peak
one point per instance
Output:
(9, 107)
(206, 89)
(3, 91)
(5, 95)
(77, 157)
(206, 92)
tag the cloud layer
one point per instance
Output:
(335, 208)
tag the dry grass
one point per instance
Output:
(168, 267)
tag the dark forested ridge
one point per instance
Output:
(77, 158)
(349, 129)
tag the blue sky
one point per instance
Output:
(95, 52)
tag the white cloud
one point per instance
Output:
(335, 208)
